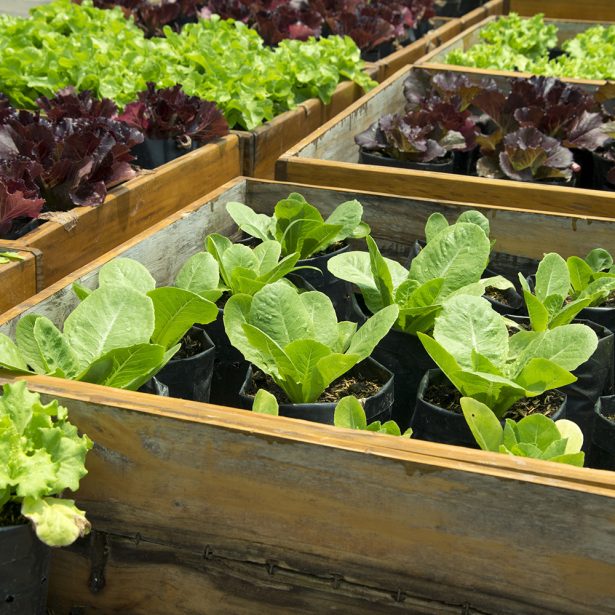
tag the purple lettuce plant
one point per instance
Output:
(19, 196)
(168, 113)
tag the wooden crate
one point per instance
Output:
(203, 509)
(17, 278)
(329, 157)
(567, 29)
(566, 9)
(129, 209)
(20, 7)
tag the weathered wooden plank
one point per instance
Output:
(18, 279)
(132, 208)
(436, 530)
(20, 7)
(566, 9)
(329, 157)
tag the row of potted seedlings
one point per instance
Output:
(75, 148)
(530, 45)
(63, 44)
(533, 130)
(376, 27)
(276, 331)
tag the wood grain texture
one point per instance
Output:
(20, 7)
(207, 499)
(566, 9)
(132, 208)
(18, 279)
(329, 157)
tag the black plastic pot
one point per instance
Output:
(190, 377)
(377, 407)
(24, 567)
(339, 291)
(154, 387)
(444, 165)
(153, 153)
(601, 167)
(436, 424)
(457, 8)
(379, 52)
(606, 317)
(229, 366)
(602, 449)
(406, 358)
(594, 378)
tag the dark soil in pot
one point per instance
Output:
(438, 416)
(189, 373)
(406, 358)
(24, 566)
(153, 153)
(369, 381)
(602, 449)
(442, 165)
(507, 301)
(594, 378)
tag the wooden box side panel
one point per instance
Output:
(132, 208)
(18, 279)
(567, 9)
(440, 533)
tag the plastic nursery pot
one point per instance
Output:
(153, 153)
(456, 8)
(442, 165)
(24, 567)
(378, 52)
(602, 450)
(404, 355)
(601, 166)
(594, 378)
(604, 316)
(339, 291)
(154, 387)
(190, 377)
(377, 407)
(436, 424)
(229, 366)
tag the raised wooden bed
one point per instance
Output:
(567, 29)
(329, 157)
(566, 9)
(203, 509)
(129, 209)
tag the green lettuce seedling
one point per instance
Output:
(42, 456)
(564, 288)
(296, 339)
(120, 335)
(349, 413)
(451, 262)
(534, 436)
(471, 345)
(234, 268)
(299, 226)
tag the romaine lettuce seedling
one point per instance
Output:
(564, 288)
(534, 436)
(299, 226)
(296, 338)
(452, 262)
(471, 345)
(120, 335)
